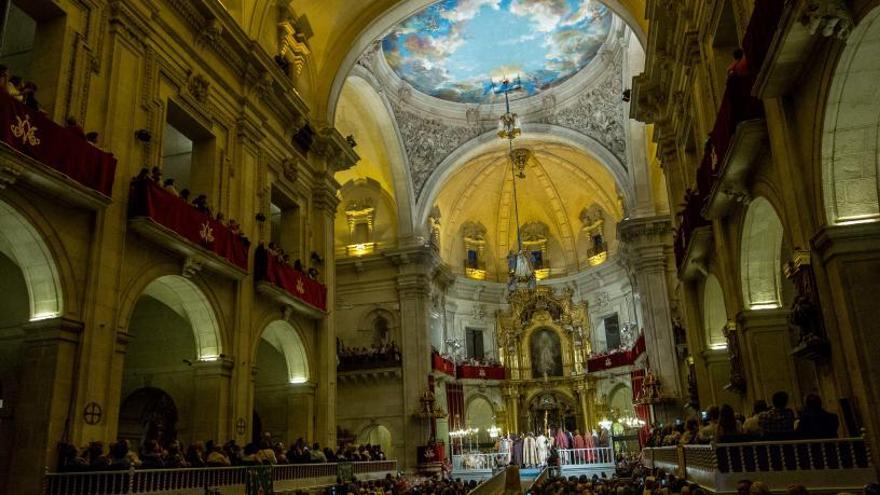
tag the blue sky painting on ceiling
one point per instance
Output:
(454, 48)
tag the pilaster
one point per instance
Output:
(212, 399)
(766, 344)
(49, 373)
(646, 247)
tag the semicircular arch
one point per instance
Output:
(760, 256)
(22, 243)
(285, 338)
(544, 133)
(714, 313)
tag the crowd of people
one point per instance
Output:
(776, 421)
(385, 354)
(391, 485)
(481, 361)
(276, 251)
(26, 93)
(155, 455)
(199, 202)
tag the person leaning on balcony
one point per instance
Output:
(778, 422)
(816, 422)
(73, 126)
(740, 66)
(13, 87)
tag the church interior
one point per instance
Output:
(439, 246)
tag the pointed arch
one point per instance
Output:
(186, 299)
(286, 340)
(760, 256)
(22, 244)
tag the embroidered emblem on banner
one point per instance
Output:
(482, 373)
(207, 233)
(300, 287)
(24, 130)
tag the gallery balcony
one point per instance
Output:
(730, 187)
(289, 287)
(827, 466)
(480, 372)
(442, 364)
(177, 226)
(780, 41)
(692, 241)
(617, 358)
(55, 160)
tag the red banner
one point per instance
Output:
(613, 360)
(150, 200)
(34, 134)
(481, 372)
(292, 281)
(643, 411)
(442, 364)
(455, 405)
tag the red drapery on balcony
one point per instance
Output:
(642, 411)
(149, 200)
(35, 135)
(761, 30)
(455, 404)
(613, 360)
(481, 372)
(294, 282)
(442, 364)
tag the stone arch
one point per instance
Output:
(380, 109)
(374, 27)
(371, 318)
(148, 413)
(22, 243)
(615, 397)
(536, 132)
(285, 338)
(377, 434)
(851, 132)
(479, 413)
(185, 298)
(760, 256)
(714, 313)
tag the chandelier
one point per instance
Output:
(520, 271)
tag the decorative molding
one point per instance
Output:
(428, 141)
(336, 150)
(599, 111)
(831, 18)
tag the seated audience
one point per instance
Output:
(778, 422)
(816, 422)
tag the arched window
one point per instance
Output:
(714, 313)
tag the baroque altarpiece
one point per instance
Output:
(544, 342)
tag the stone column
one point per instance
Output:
(586, 392)
(212, 402)
(335, 154)
(324, 202)
(49, 372)
(765, 344)
(646, 252)
(300, 411)
(415, 268)
(511, 396)
(848, 288)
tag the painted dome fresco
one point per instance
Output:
(454, 49)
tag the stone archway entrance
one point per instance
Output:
(550, 410)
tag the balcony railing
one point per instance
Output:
(289, 286)
(172, 223)
(607, 361)
(226, 480)
(56, 158)
(594, 457)
(828, 465)
(480, 372)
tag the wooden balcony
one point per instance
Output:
(730, 187)
(368, 376)
(828, 466)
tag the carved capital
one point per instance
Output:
(337, 151)
(830, 18)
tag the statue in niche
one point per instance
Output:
(805, 318)
(546, 353)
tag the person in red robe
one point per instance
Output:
(589, 444)
(579, 444)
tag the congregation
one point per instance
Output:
(531, 450)
(776, 421)
(171, 455)
(384, 354)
